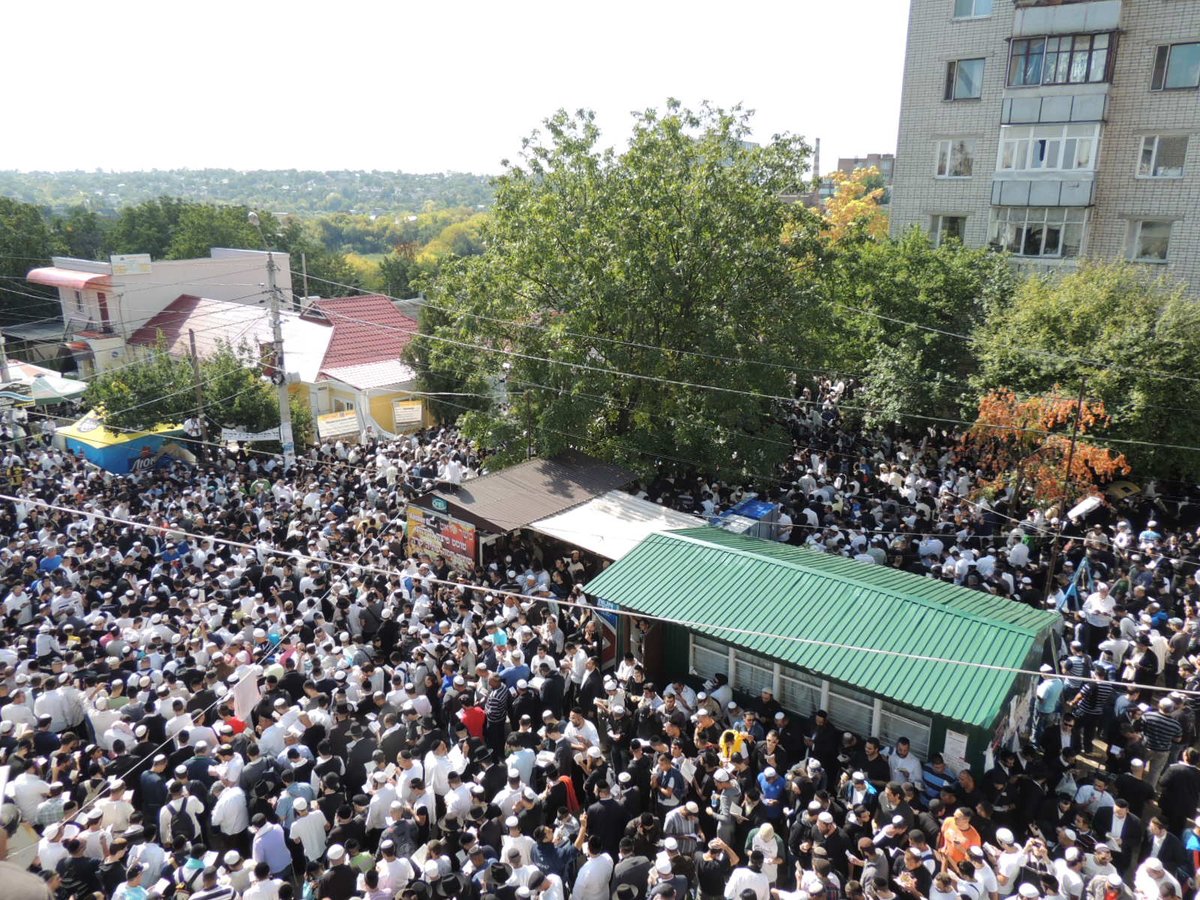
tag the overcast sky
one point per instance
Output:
(426, 86)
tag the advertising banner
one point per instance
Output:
(440, 535)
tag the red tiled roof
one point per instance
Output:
(366, 329)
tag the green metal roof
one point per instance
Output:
(708, 578)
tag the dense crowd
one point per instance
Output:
(232, 681)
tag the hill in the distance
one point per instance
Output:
(281, 190)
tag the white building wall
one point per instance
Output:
(238, 276)
(1133, 110)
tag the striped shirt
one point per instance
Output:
(1097, 697)
(496, 705)
(1161, 730)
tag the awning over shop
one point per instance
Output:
(72, 279)
(612, 525)
(512, 498)
(705, 578)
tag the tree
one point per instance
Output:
(610, 284)
(83, 233)
(1133, 338)
(25, 243)
(161, 389)
(855, 207)
(144, 394)
(905, 311)
(1025, 444)
(148, 227)
(203, 226)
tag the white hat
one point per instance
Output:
(1028, 890)
(825, 818)
(1154, 863)
(769, 772)
(664, 865)
(671, 844)
(720, 775)
(1114, 879)
(232, 858)
(691, 807)
(335, 852)
(514, 773)
(1004, 836)
(1071, 855)
(300, 805)
(511, 822)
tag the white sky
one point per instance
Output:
(425, 86)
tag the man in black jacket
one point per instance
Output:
(631, 868)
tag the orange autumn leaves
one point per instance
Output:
(1025, 444)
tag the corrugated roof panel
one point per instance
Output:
(714, 578)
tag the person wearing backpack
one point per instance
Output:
(178, 817)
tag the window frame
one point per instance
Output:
(949, 144)
(975, 14)
(1072, 217)
(1024, 139)
(937, 227)
(1161, 67)
(1049, 60)
(953, 67)
(1136, 227)
(1154, 157)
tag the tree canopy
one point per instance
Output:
(665, 262)
(1134, 340)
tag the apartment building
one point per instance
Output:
(1054, 129)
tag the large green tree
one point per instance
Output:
(161, 388)
(905, 311)
(148, 227)
(26, 242)
(612, 283)
(1133, 338)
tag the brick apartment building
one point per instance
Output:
(1054, 129)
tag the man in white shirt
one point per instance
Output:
(592, 881)
(749, 877)
(309, 829)
(229, 813)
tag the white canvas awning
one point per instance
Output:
(612, 524)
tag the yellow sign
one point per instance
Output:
(338, 424)
(407, 414)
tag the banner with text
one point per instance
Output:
(440, 535)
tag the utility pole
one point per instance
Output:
(7, 416)
(304, 271)
(1066, 500)
(280, 379)
(285, 409)
(199, 393)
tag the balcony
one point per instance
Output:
(1033, 17)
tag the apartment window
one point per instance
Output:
(1149, 240)
(943, 228)
(955, 159)
(79, 301)
(1059, 59)
(964, 79)
(340, 405)
(1176, 67)
(1162, 156)
(1067, 148)
(1039, 232)
(972, 9)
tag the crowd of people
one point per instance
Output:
(235, 681)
